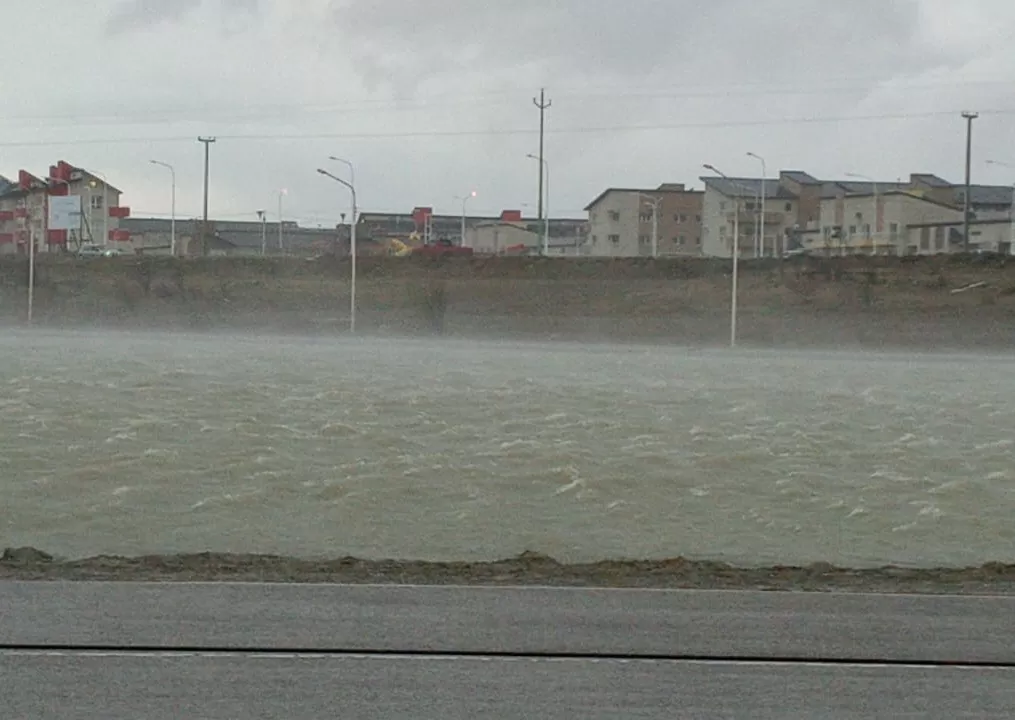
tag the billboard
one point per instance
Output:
(64, 212)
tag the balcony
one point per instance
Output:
(750, 216)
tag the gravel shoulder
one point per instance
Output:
(526, 569)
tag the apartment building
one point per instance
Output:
(805, 214)
(25, 209)
(629, 222)
(761, 210)
(875, 223)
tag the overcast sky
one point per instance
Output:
(432, 99)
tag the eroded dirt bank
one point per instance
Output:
(946, 302)
(526, 569)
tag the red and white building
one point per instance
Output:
(25, 205)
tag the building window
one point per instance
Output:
(595, 239)
(939, 238)
(679, 240)
(722, 205)
(96, 202)
(697, 218)
(645, 217)
(789, 207)
(893, 232)
(925, 238)
(697, 241)
(615, 239)
(614, 216)
(852, 231)
(644, 239)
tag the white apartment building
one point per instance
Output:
(24, 211)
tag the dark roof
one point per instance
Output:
(674, 188)
(930, 180)
(799, 176)
(982, 195)
(11, 187)
(1000, 195)
(748, 187)
(907, 193)
(835, 188)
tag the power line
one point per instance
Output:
(439, 101)
(701, 125)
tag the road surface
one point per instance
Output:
(118, 651)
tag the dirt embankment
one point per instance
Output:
(526, 569)
(942, 302)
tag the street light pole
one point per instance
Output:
(545, 203)
(31, 270)
(465, 200)
(764, 175)
(874, 219)
(352, 237)
(352, 248)
(736, 256)
(967, 204)
(654, 202)
(281, 244)
(207, 141)
(172, 222)
(263, 217)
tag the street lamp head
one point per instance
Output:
(710, 167)
(473, 194)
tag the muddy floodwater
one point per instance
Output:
(143, 443)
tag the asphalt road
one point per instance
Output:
(646, 623)
(310, 651)
(117, 687)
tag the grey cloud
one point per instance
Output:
(131, 15)
(774, 40)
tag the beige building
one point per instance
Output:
(624, 221)
(869, 223)
(24, 211)
(993, 236)
(501, 237)
(790, 202)
(805, 214)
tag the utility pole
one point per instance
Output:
(543, 104)
(207, 165)
(967, 204)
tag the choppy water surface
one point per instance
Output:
(160, 443)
